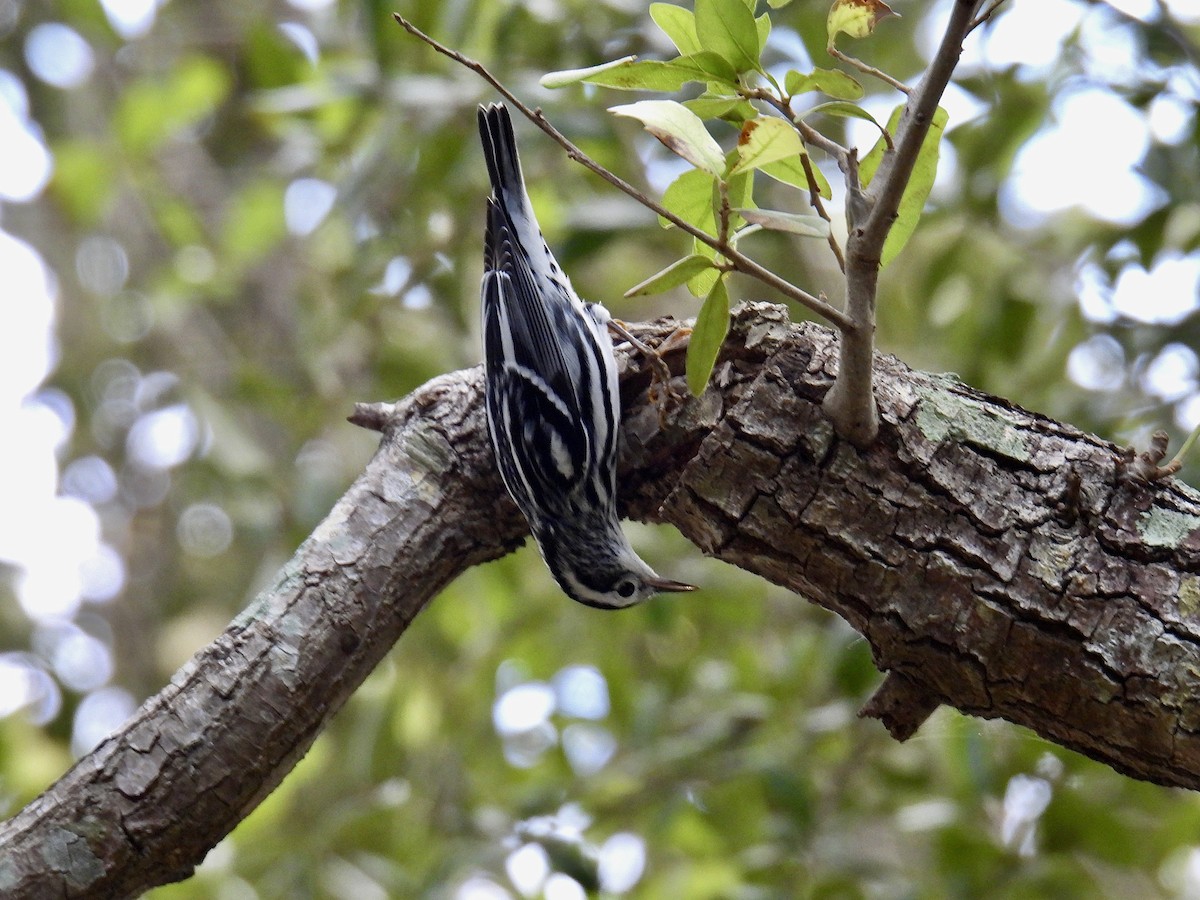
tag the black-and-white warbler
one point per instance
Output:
(552, 402)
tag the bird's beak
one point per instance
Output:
(667, 586)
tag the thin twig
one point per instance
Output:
(868, 69)
(985, 15)
(887, 187)
(814, 138)
(736, 258)
(814, 198)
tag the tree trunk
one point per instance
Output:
(996, 561)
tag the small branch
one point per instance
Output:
(850, 403)
(737, 259)
(1146, 467)
(901, 705)
(372, 416)
(814, 138)
(725, 213)
(814, 198)
(896, 168)
(868, 69)
(985, 15)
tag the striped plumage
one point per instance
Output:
(552, 401)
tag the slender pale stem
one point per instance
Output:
(737, 259)
(867, 69)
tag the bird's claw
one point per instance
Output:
(660, 372)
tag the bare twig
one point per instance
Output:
(736, 258)
(814, 198)
(895, 169)
(868, 69)
(850, 403)
(814, 138)
(1146, 467)
(987, 13)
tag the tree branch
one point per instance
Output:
(736, 258)
(851, 403)
(996, 561)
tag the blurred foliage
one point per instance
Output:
(198, 155)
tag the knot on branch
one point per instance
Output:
(901, 704)
(1145, 467)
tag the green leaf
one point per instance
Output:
(765, 140)
(254, 222)
(777, 4)
(741, 185)
(672, 276)
(776, 220)
(728, 27)
(707, 66)
(791, 171)
(699, 285)
(712, 324)
(920, 183)
(835, 83)
(155, 108)
(763, 25)
(646, 75)
(843, 110)
(83, 180)
(631, 74)
(680, 130)
(690, 196)
(678, 24)
(574, 76)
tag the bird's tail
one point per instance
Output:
(500, 151)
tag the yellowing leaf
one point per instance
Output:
(765, 140)
(680, 130)
(856, 18)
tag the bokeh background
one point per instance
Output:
(222, 223)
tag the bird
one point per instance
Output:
(553, 408)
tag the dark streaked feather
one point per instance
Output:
(552, 403)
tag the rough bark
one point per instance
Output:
(996, 561)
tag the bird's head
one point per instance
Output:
(601, 572)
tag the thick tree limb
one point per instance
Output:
(995, 560)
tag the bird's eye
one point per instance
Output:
(627, 588)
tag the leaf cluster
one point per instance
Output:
(720, 45)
